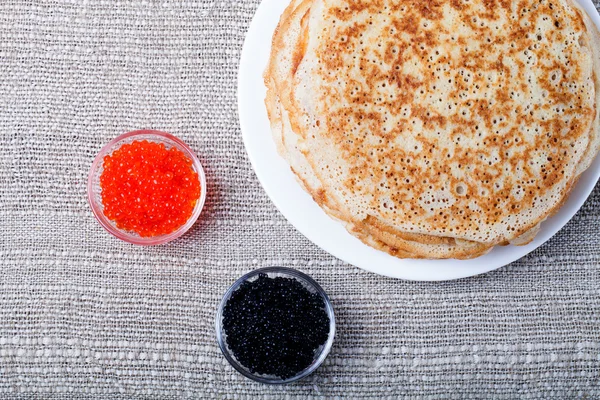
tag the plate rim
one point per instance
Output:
(263, 22)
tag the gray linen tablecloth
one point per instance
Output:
(83, 314)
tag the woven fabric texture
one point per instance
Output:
(85, 315)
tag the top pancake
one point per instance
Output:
(463, 120)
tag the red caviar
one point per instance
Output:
(148, 189)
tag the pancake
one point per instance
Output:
(437, 129)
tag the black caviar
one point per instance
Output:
(273, 326)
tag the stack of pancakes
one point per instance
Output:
(436, 129)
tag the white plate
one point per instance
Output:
(302, 212)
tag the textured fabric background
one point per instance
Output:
(85, 315)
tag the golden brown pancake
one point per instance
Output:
(436, 129)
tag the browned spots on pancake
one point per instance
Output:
(407, 82)
(407, 24)
(490, 4)
(300, 50)
(393, 53)
(577, 19)
(320, 196)
(502, 95)
(351, 8)
(518, 35)
(425, 38)
(505, 4)
(429, 9)
(483, 87)
(457, 4)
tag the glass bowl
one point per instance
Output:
(272, 272)
(94, 189)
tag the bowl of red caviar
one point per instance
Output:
(146, 187)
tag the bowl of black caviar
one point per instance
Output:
(275, 325)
